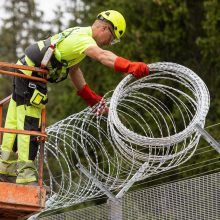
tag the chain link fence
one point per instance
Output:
(192, 199)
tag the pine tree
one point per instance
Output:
(20, 28)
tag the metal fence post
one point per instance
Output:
(115, 202)
(208, 138)
(115, 209)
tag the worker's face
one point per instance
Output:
(106, 36)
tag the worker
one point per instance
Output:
(61, 55)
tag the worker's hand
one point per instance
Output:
(101, 108)
(137, 69)
(89, 96)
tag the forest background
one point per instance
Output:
(186, 32)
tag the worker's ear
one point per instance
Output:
(104, 27)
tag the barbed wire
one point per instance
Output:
(151, 120)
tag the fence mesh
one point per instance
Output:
(194, 199)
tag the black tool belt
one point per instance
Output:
(31, 92)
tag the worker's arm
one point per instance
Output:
(103, 56)
(83, 90)
(120, 64)
(77, 77)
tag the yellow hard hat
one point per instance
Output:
(116, 19)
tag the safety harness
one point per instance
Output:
(58, 70)
(35, 93)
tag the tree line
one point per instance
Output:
(183, 31)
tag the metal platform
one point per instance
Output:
(20, 201)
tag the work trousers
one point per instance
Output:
(21, 115)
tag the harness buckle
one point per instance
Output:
(32, 85)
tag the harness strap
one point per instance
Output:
(35, 54)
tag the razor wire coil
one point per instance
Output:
(151, 119)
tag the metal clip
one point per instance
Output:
(32, 85)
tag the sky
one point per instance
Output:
(46, 5)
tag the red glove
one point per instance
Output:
(137, 69)
(90, 97)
